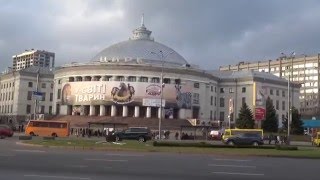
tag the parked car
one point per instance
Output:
(5, 131)
(141, 134)
(244, 139)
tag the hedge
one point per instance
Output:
(205, 145)
(25, 137)
(284, 147)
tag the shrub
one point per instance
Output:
(25, 137)
(283, 147)
(49, 138)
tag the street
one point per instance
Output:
(35, 163)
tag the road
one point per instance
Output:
(34, 163)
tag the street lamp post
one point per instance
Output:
(162, 57)
(289, 106)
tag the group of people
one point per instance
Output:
(277, 139)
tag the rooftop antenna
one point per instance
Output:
(142, 20)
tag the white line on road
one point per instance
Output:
(6, 155)
(126, 155)
(31, 151)
(243, 174)
(236, 160)
(107, 160)
(57, 177)
(236, 166)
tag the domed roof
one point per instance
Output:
(140, 46)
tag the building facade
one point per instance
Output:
(134, 78)
(302, 70)
(17, 102)
(33, 57)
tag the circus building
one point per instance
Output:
(124, 80)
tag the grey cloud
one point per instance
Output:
(208, 33)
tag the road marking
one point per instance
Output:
(32, 151)
(236, 160)
(6, 155)
(57, 177)
(126, 155)
(236, 166)
(76, 166)
(242, 174)
(107, 160)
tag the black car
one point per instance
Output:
(245, 139)
(141, 134)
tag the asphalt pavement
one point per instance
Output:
(35, 163)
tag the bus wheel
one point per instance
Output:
(32, 134)
(54, 135)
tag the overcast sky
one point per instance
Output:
(207, 32)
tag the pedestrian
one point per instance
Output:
(177, 135)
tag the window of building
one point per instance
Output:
(143, 79)
(155, 80)
(244, 89)
(214, 115)
(50, 109)
(231, 90)
(59, 81)
(11, 109)
(177, 81)
(196, 85)
(59, 94)
(132, 79)
(221, 102)
(283, 93)
(243, 100)
(277, 92)
(166, 81)
(29, 97)
(215, 89)
(211, 100)
(283, 105)
(221, 116)
(43, 85)
(271, 91)
(211, 88)
(51, 97)
(210, 115)
(277, 104)
(221, 90)
(28, 109)
(120, 78)
(30, 84)
(43, 96)
(195, 98)
(215, 101)
(42, 109)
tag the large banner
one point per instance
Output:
(260, 101)
(102, 92)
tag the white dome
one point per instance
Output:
(140, 46)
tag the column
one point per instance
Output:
(148, 112)
(103, 78)
(102, 110)
(83, 78)
(92, 110)
(124, 111)
(182, 113)
(136, 111)
(159, 116)
(113, 110)
(82, 111)
(73, 113)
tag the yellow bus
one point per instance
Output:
(231, 132)
(48, 128)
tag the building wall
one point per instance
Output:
(303, 70)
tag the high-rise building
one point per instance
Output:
(303, 70)
(33, 57)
